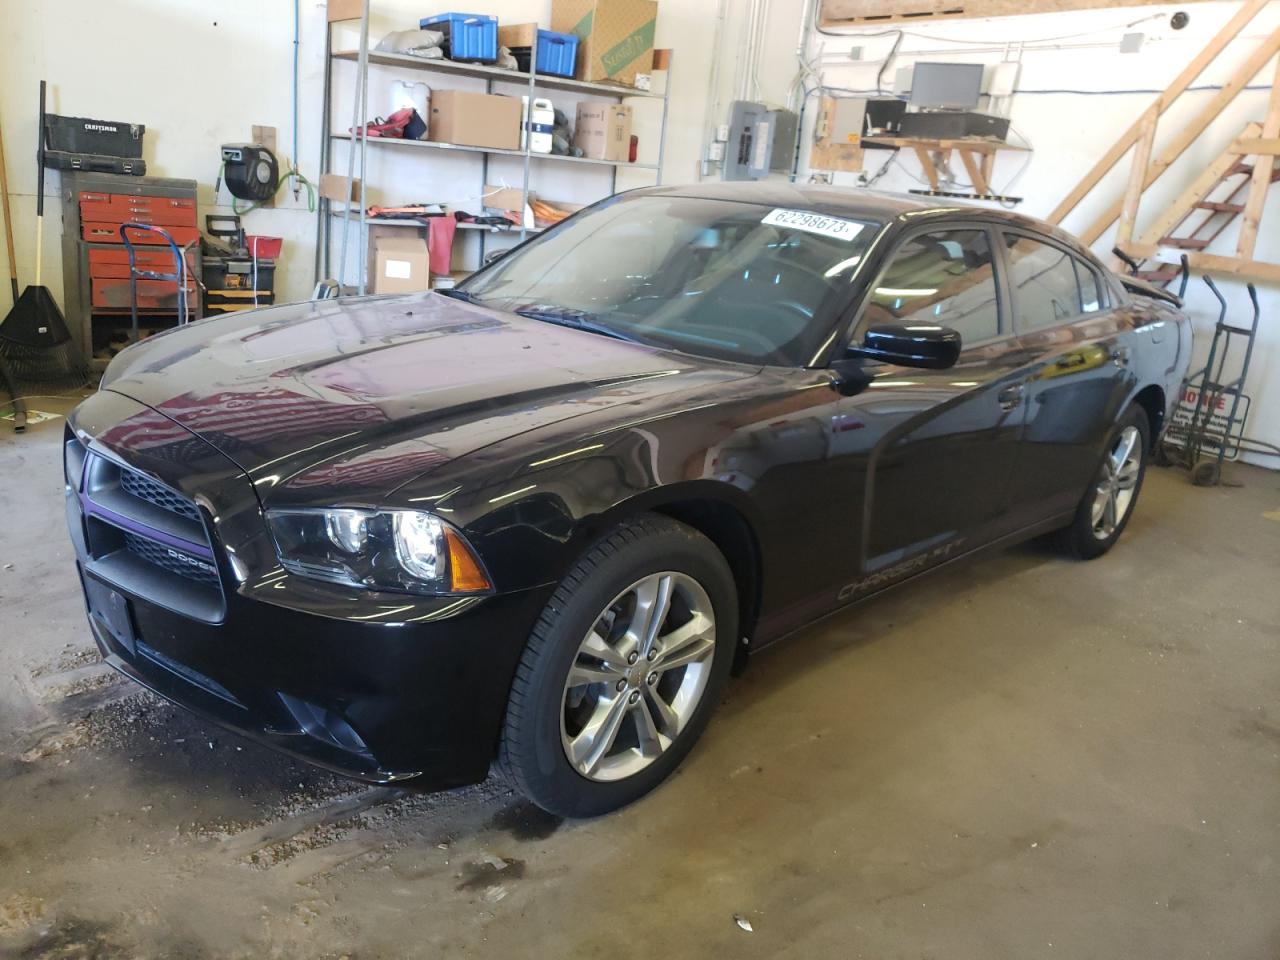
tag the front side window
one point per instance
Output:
(1050, 286)
(725, 279)
(944, 277)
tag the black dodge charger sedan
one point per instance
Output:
(539, 518)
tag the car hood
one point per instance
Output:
(364, 395)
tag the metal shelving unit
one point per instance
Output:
(463, 148)
(532, 82)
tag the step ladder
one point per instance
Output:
(1217, 216)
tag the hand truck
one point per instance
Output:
(1203, 442)
(179, 275)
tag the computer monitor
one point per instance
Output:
(957, 85)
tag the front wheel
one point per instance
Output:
(1108, 503)
(623, 669)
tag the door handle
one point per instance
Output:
(1120, 355)
(1010, 397)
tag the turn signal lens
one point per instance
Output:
(465, 573)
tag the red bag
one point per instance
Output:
(393, 127)
(440, 243)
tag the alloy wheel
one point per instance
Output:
(1117, 483)
(638, 676)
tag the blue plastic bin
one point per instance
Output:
(557, 53)
(472, 37)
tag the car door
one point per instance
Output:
(1076, 341)
(939, 445)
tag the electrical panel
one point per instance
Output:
(846, 120)
(786, 129)
(750, 143)
(760, 140)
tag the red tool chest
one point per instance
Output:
(101, 215)
(110, 233)
(114, 264)
(152, 294)
(95, 263)
(121, 208)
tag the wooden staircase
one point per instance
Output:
(1219, 214)
(1232, 188)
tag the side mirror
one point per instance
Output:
(910, 345)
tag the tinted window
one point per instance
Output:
(719, 278)
(1050, 286)
(945, 277)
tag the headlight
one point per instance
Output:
(405, 550)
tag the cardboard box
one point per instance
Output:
(475, 119)
(333, 186)
(616, 36)
(339, 10)
(517, 35)
(504, 198)
(401, 264)
(603, 130)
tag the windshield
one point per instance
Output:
(734, 281)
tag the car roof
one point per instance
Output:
(870, 204)
(857, 202)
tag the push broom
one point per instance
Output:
(34, 339)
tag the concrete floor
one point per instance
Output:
(1026, 757)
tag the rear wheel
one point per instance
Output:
(623, 669)
(1105, 509)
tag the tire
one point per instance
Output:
(1088, 536)
(602, 600)
(1206, 473)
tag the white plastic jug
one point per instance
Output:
(538, 125)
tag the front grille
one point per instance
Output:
(174, 561)
(135, 484)
(142, 536)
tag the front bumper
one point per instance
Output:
(377, 686)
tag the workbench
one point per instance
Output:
(978, 156)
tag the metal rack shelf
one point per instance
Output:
(463, 148)
(418, 223)
(529, 83)
(499, 74)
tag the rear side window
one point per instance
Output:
(1050, 286)
(945, 277)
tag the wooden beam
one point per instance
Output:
(1137, 174)
(1200, 188)
(1262, 166)
(836, 13)
(926, 163)
(1187, 135)
(1179, 84)
(1255, 146)
(1238, 267)
(974, 169)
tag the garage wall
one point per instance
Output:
(199, 74)
(1077, 94)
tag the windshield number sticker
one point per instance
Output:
(814, 223)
